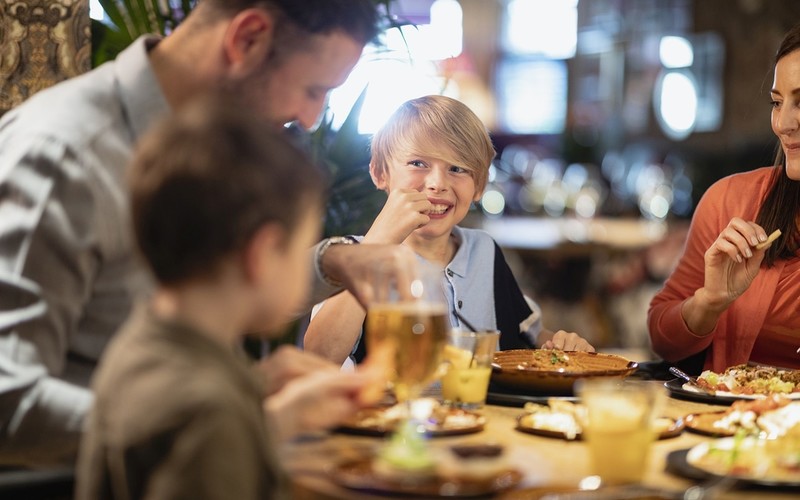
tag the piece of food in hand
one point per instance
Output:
(406, 457)
(375, 390)
(772, 237)
(474, 461)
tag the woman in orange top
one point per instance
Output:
(728, 297)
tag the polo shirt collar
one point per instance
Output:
(460, 262)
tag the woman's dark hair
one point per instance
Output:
(782, 204)
(205, 179)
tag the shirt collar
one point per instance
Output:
(141, 95)
(460, 262)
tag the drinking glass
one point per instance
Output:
(468, 360)
(407, 329)
(619, 426)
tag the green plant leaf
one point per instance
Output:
(348, 145)
(115, 15)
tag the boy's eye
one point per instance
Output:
(416, 163)
(458, 170)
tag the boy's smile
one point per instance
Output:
(450, 190)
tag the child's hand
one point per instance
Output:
(566, 341)
(316, 401)
(288, 363)
(405, 210)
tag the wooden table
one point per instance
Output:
(543, 461)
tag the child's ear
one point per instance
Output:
(268, 242)
(478, 195)
(378, 176)
(248, 41)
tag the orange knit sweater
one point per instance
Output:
(738, 195)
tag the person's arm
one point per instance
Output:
(335, 328)
(352, 265)
(684, 315)
(46, 271)
(322, 400)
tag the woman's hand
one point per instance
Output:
(405, 210)
(732, 262)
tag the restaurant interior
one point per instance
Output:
(610, 119)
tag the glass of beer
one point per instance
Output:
(407, 329)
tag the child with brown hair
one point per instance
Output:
(223, 213)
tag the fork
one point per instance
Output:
(692, 381)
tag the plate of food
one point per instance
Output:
(561, 419)
(750, 381)
(765, 462)
(442, 421)
(553, 371)
(407, 465)
(769, 416)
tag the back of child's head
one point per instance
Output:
(205, 179)
(439, 127)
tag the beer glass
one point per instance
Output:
(407, 328)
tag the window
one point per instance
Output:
(538, 36)
(405, 66)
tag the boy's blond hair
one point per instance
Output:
(439, 127)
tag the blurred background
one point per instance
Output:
(610, 119)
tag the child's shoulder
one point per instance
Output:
(470, 236)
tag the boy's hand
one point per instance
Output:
(405, 210)
(317, 401)
(566, 341)
(288, 363)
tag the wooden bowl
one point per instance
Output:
(519, 369)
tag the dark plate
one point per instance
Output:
(678, 464)
(364, 424)
(676, 390)
(509, 396)
(358, 475)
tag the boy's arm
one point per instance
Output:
(335, 328)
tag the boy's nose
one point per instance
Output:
(436, 180)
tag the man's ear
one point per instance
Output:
(378, 176)
(267, 243)
(248, 41)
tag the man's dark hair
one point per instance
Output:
(357, 18)
(205, 179)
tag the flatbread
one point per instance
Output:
(772, 237)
